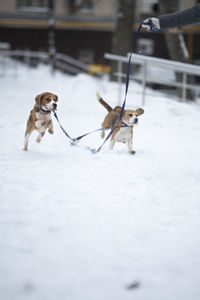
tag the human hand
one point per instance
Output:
(151, 24)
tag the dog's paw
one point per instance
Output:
(38, 140)
(50, 131)
(132, 152)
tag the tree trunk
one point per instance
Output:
(175, 44)
(122, 36)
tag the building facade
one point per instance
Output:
(83, 28)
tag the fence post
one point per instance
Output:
(144, 82)
(119, 80)
(184, 85)
(51, 34)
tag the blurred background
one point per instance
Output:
(74, 35)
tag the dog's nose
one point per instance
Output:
(54, 105)
(136, 120)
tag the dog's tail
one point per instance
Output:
(106, 105)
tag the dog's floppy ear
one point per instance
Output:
(38, 100)
(114, 117)
(117, 109)
(56, 97)
(139, 111)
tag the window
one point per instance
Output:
(33, 5)
(84, 5)
(87, 3)
(80, 6)
(147, 6)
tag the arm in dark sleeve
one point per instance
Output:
(181, 18)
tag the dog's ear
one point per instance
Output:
(38, 100)
(55, 97)
(114, 117)
(139, 111)
(117, 109)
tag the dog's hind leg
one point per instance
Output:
(26, 141)
(29, 130)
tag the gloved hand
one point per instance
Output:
(151, 24)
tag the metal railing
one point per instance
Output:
(61, 61)
(148, 61)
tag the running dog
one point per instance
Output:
(124, 131)
(40, 116)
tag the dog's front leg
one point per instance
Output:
(130, 146)
(130, 143)
(41, 128)
(112, 144)
(40, 135)
(50, 127)
(38, 140)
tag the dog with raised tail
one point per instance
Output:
(124, 131)
(40, 117)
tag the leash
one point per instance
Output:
(65, 132)
(152, 26)
(126, 91)
(76, 140)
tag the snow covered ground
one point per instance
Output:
(79, 226)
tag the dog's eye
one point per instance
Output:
(130, 115)
(48, 100)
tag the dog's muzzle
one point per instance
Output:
(135, 121)
(54, 106)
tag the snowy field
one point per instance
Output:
(78, 226)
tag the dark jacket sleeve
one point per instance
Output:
(181, 18)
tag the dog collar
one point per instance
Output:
(127, 125)
(44, 110)
(124, 124)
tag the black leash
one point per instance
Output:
(76, 140)
(65, 132)
(126, 91)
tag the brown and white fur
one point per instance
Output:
(120, 134)
(40, 116)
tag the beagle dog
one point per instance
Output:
(40, 116)
(124, 131)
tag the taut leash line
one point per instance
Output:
(77, 139)
(126, 91)
(65, 132)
